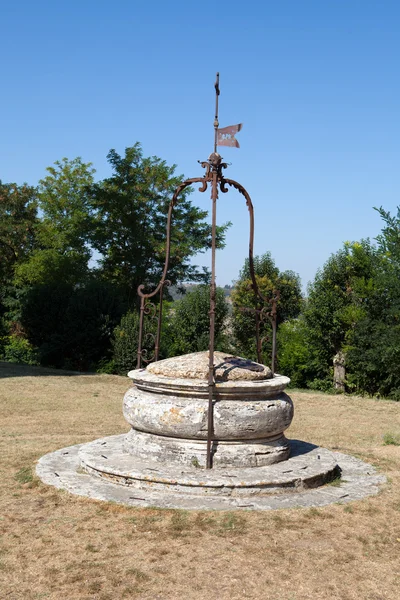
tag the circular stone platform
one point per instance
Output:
(99, 470)
(308, 467)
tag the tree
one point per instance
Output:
(268, 279)
(389, 239)
(374, 351)
(189, 322)
(373, 359)
(43, 310)
(125, 343)
(72, 326)
(295, 354)
(62, 252)
(18, 221)
(337, 301)
(130, 211)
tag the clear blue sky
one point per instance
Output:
(316, 85)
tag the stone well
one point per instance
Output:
(166, 447)
(167, 408)
(161, 460)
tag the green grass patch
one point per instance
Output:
(24, 475)
(391, 439)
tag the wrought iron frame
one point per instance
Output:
(214, 177)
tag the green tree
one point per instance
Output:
(295, 358)
(18, 221)
(189, 322)
(94, 311)
(374, 349)
(389, 239)
(125, 343)
(268, 279)
(43, 310)
(62, 252)
(337, 301)
(72, 326)
(130, 221)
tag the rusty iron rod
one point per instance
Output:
(273, 347)
(211, 382)
(216, 123)
(273, 319)
(139, 352)
(159, 323)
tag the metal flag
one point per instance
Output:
(226, 136)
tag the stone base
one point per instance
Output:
(288, 484)
(193, 453)
(308, 467)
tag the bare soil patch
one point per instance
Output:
(54, 545)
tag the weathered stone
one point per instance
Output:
(161, 461)
(308, 467)
(195, 366)
(186, 417)
(358, 480)
(177, 452)
(339, 371)
(253, 413)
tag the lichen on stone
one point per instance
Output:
(196, 366)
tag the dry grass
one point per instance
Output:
(54, 545)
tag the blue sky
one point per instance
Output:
(315, 83)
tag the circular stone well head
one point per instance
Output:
(167, 408)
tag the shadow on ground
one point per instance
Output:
(298, 447)
(8, 369)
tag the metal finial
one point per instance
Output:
(216, 123)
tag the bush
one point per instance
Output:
(322, 385)
(268, 279)
(125, 343)
(72, 327)
(189, 323)
(19, 350)
(106, 366)
(93, 313)
(294, 356)
(43, 311)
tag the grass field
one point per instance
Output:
(58, 546)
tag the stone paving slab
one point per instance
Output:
(62, 470)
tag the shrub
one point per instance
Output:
(19, 350)
(294, 356)
(189, 325)
(93, 313)
(125, 343)
(72, 327)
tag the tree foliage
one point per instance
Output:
(268, 279)
(130, 209)
(52, 296)
(61, 252)
(295, 357)
(18, 222)
(189, 322)
(374, 351)
(77, 331)
(125, 343)
(337, 301)
(58, 307)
